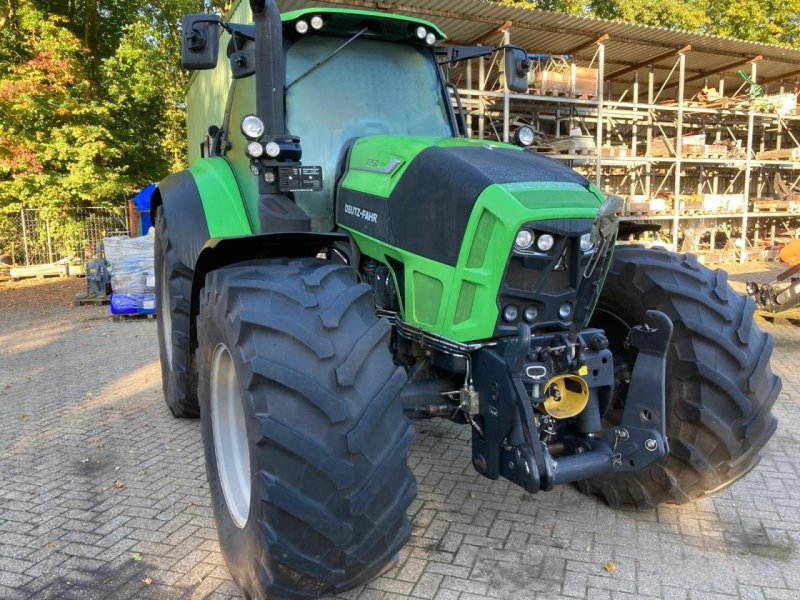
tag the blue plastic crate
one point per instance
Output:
(133, 304)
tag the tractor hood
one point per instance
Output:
(419, 193)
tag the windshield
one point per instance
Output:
(368, 88)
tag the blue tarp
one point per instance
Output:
(142, 199)
(142, 203)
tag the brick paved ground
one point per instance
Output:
(81, 408)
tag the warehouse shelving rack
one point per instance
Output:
(493, 110)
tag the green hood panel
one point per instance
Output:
(448, 210)
(376, 163)
(459, 301)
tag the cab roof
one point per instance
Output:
(341, 20)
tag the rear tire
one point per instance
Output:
(326, 438)
(719, 385)
(173, 295)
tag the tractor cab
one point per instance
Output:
(354, 74)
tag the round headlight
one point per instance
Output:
(254, 149)
(430, 39)
(530, 314)
(301, 27)
(269, 176)
(317, 22)
(565, 310)
(545, 242)
(510, 313)
(421, 32)
(586, 242)
(252, 127)
(524, 239)
(524, 136)
(272, 149)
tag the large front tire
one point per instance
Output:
(305, 440)
(173, 293)
(719, 385)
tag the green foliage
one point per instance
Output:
(56, 144)
(91, 99)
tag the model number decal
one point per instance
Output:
(360, 213)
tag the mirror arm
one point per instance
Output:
(461, 117)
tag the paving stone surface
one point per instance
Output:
(103, 494)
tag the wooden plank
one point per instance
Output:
(39, 271)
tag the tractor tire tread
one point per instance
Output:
(178, 383)
(343, 442)
(720, 389)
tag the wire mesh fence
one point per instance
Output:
(34, 236)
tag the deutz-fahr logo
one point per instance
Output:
(360, 213)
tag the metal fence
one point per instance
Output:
(33, 236)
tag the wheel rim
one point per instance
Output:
(166, 313)
(230, 435)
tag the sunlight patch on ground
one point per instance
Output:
(33, 339)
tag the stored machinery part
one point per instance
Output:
(302, 426)
(720, 391)
(780, 295)
(98, 280)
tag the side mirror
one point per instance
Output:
(200, 42)
(517, 65)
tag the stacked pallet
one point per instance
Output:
(781, 154)
(722, 203)
(615, 151)
(553, 76)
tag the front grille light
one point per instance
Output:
(510, 313)
(565, 310)
(586, 242)
(530, 313)
(545, 242)
(524, 239)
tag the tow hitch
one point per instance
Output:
(509, 443)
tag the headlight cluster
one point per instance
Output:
(525, 241)
(423, 35)
(511, 313)
(253, 129)
(302, 25)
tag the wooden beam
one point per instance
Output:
(649, 61)
(788, 75)
(588, 44)
(723, 68)
(485, 37)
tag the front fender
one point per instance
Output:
(221, 252)
(201, 203)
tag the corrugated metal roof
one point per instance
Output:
(548, 32)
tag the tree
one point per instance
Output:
(56, 148)
(91, 99)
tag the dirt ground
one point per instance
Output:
(103, 494)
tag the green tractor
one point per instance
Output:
(342, 258)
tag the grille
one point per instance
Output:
(544, 282)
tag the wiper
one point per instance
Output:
(330, 56)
